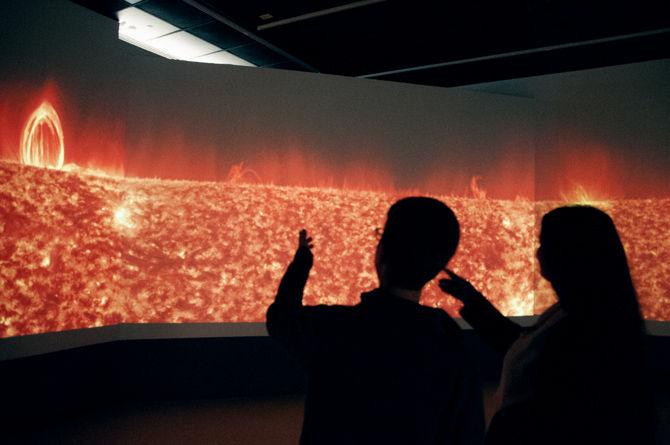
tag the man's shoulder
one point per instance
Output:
(441, 317)
(446, 333)
(328, 311)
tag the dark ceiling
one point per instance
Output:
(425, 42)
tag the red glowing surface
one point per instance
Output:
(81, 250)
(81, 245)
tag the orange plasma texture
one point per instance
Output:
(81, 250)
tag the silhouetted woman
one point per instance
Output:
(576, 376)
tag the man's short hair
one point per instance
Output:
(420, 236)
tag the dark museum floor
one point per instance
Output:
(247, 421)
(228, 390)
(229, 421)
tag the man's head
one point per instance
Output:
(420, 237)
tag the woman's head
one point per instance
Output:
(582, 256)
(579, 244)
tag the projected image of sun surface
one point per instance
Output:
(138, 189)
(85, 250)
(82, 245)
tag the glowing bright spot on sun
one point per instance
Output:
(580, 196)
(507, 223)
(122, 218)
(46, 261)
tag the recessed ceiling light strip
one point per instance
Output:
(321, 13)
(215, 15)
(519, 53)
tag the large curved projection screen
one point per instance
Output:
(139, 190)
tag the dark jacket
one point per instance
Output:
(386, 371)
(564, 381)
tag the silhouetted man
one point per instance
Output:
(388, 370)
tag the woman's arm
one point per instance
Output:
(496, 329)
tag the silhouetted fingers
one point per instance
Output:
(309, 243)
(303, 239)
(453, 275)
(455, 286)
(445, 284)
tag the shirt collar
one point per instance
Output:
(379, 296)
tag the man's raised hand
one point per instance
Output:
(304, 254)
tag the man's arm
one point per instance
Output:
(496, 329)
(283, 316)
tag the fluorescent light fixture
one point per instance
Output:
(222, 57)
(135, 24)
(183, 46)
(150, 33)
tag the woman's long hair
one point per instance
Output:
(582, 256)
